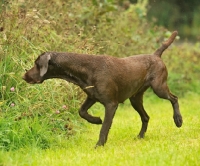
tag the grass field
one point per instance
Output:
(164, 144)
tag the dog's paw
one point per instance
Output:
(140, 136)
(99, 144)
(95, 120)
(178, 120)
(98, 121)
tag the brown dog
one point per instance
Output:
(110, 81)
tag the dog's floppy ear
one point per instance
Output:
(44, 60)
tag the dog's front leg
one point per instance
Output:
(110, 110)
(84, 114)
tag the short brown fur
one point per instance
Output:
(110, 81)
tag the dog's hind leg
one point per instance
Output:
(161, 89)
(84, 114)
(137, 103)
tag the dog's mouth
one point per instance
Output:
(31, 81)
(34, 82)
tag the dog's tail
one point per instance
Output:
(166, 44)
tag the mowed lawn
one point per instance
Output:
(164, 144)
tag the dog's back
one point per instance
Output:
(128, 76)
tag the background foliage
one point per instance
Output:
(41, 115)
(175, 14)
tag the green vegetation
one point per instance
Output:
(174, 14)
(164, 143)
(39, 124)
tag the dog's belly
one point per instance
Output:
(129, 90)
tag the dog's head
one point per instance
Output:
(38, 73)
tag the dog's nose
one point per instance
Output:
(23, 77)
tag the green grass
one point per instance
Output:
(164, 144)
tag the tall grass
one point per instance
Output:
(44, 115)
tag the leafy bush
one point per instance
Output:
(183, 63)
(172, 16)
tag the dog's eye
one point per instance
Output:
(37, 65)
(50, 62)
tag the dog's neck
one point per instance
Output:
(76, 67)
